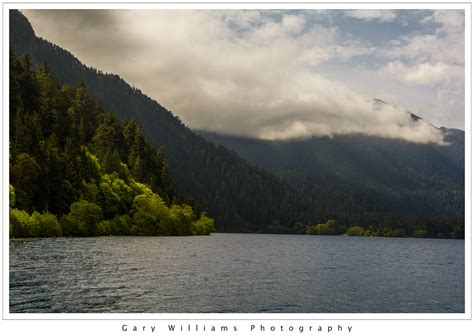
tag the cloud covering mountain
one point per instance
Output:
(280, 74)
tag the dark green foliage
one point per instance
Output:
(25, 177)
(82, 175)
(374, 182)
(394, 232)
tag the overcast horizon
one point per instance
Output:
(280, 74)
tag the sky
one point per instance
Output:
(280, 74)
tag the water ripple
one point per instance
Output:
(236, 273)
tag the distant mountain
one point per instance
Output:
(251, 185)
(402, 177)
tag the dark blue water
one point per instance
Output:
(238, 273)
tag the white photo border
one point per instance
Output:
(241, 317)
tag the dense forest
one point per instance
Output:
(384, 175)
(75, 170)
(244, 195)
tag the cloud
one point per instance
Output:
(434, 58)
(384, 15)
(235, 72)
(424, 73)
(445, 44)
(451, 21)
(427, 47)
(292, 24)
(243, 19)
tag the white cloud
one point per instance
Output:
(381, 15)
(430, 74)
(260, 80)
(427, 47)
(243, 19)
(434, 59)
(452, 21)
(445, 45)
(293, 23)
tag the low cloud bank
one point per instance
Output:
(240, 72)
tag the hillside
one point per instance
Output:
(209, 176)
(405, 178)
(250, 185)
(76, 171)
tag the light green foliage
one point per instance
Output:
(116, 196)
(121, 225)
(48, 225)
(335, 228)
(203, 226)
(23, 225)
(12, 196)
(330, 228)
(117, 226)
(71, 159)
(92, 159)
(181, 220)
(324, 229)
(109, 199)
(33, 227)
(355, 231)
(140, 188)
(122, 190)
(149, 211)
(104, 228)
(19, 223)
(82, 219)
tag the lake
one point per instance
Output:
(237, 273)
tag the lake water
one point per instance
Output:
(237, 273)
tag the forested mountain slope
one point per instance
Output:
(366, 179)
(238, 196)
(75, 170)
(373, 182)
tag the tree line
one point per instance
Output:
(416, 228)
(75, 170)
